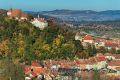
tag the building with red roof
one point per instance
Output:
(39, 22)
(17, 14)
(88, 39)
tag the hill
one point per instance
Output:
(22, 40)
(46, 17)
(83, 15)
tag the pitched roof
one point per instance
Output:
(35, 63)
(27, 68)
(100, 58)
(114, 63)
(92, 60)
(23, 14)
(38, 20)
(87, 37)
(15, 13)
(117, 56)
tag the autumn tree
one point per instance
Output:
(50, 21)
(11, 71)
(101, 50)
(112, 50)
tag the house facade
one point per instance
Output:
(39, 22)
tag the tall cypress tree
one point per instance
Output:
(78, 46)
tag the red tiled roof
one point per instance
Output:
(100, 58)
(23, 14)
(44, 71)
(87, 37)
(65, 66)
(36, 70)
(114, 63)
(111, 45)
(92, 60)
(117, 56)
(41, 20)
(35, 63)
(27, 68)
(15, 13)
(82, 61)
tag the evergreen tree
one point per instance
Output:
(90, 50)
(78, 46)
(94, 51)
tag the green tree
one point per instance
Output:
(118, 51)
(66, 52)
(12, 71)
(90, 50)
(78, 46)
(94, 51)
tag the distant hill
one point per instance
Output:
(46, 17)
(83, 15)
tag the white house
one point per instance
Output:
(39, 22)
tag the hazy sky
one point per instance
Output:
(46, 5)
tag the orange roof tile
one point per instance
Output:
(23, 14)
(114, 63)
(87, 37)
(27, 68)
(100, 58)
(15, 13)
(35, 63)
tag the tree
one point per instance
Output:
(50, 21)
(96, 75)
(89, 50)
(94, 51)
(11, 70)
(118, 51)
(101, 50)
(66, 52)
(112, 50)
(78, 46)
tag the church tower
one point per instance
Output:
(10, 11)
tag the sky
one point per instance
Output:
(48, 5)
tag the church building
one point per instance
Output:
(17, 14)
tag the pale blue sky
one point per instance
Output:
(46, 5)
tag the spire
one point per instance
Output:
(38, 16)
(10, 8)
